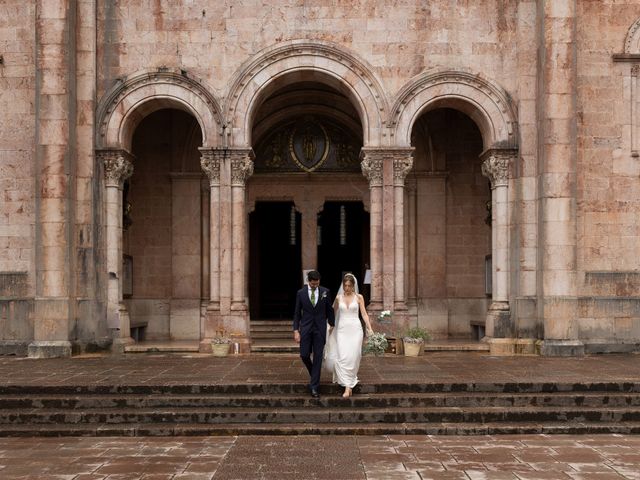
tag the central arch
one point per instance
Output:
(301, 61)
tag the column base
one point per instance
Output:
(49, 349)
(120, 343)
(205, 345)
(562, 348)
(239, 306)
(498, 323)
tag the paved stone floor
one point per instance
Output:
(440, 367)
(310, 457)
(336, 458)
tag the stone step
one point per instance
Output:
(363, 401)
(431, 428)
(326, 389)
(284, 336)
(277, 323)
(283, 327)
(320, 415)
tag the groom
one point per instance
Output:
(313, 310)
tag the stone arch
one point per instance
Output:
(632, 41)
(300, 60)
(484, 102)
(131, 100)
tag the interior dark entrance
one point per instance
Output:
(343, 246)
(275, 263)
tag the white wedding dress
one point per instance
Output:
(344, 345)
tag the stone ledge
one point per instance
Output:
(562, 348)
(17, 348)
(49, 349)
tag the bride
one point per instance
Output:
(344, 343)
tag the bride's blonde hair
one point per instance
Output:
(349, 276)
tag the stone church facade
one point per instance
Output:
(178, 165)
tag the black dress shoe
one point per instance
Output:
(314, 393)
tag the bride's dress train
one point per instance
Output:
(344, 345)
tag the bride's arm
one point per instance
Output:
(363, 310)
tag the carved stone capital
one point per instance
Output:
(401, 167)
(372, 170)
(241, 166)
(117, 166)
(635, 69)
(210, 164)
(497, 165)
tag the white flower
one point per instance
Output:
(324, 294)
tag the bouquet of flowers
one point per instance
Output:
(376, 344)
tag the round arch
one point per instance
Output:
(131, 100)
(484, 102)
(632, 41)
(298, 61)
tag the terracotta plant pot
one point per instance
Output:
(220, 349)
(412, 349)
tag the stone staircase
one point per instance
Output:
(272, 336)
(287, 409)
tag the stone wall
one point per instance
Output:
(608, 190)
(400, 39)
(17, 139)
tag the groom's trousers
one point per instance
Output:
(312, 342)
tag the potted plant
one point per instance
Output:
(220, 345)
(376, 344)
(414, 340)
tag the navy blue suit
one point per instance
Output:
(312, 323)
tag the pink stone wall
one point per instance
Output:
(211, 39)
(17, 138)
(608, 186)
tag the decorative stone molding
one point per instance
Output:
(262, 72)
(401, 167)
(371, 167)
(489, 105)
(497, 164)
(241, 166)
(635, 69)
(117, 167)
(632, 41)
(210, 164)
(133, 98)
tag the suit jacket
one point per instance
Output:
(307, 317)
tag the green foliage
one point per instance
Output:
(416, 334)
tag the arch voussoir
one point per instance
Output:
(128, 102)
(295, 61)
(483, 101)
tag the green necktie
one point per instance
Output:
(313, 297)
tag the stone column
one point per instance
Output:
(410, 242)
(55, 171)
(241, 168)
(402, 164)
(557, 157)
(205, 234)
(372, 169)
(496, 167)
(210, 164)
(117, 168)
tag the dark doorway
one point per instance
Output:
(275, 266)
(343, 234)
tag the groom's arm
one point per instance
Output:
(331, 318)
(296, 314)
